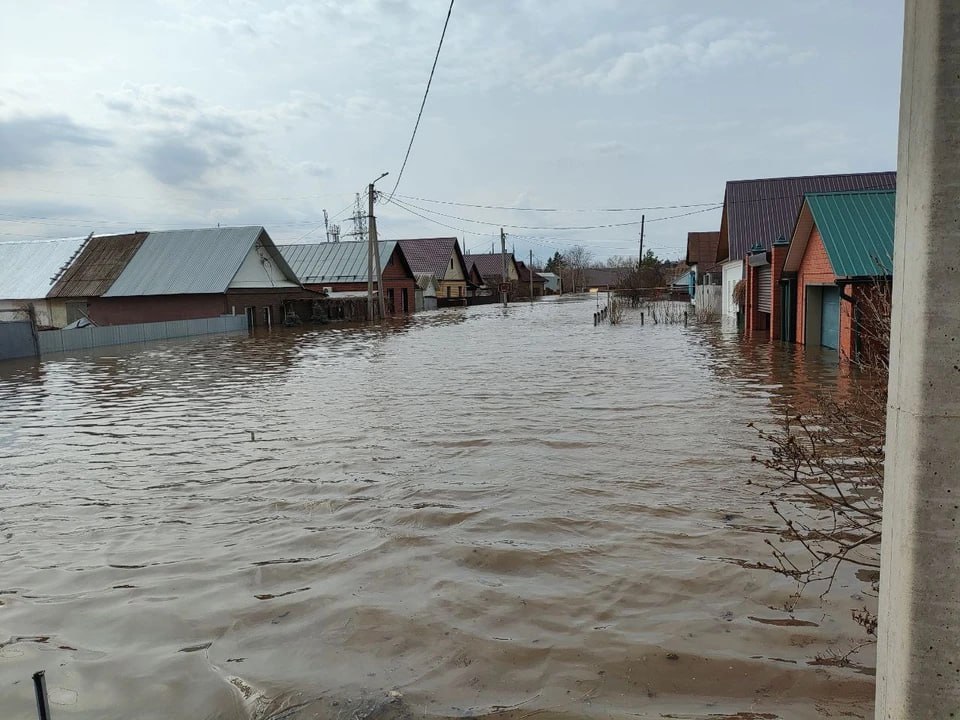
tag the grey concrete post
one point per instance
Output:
(918, 674)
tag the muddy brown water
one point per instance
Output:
(474, 513)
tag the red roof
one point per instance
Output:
(702, 250)
(761, 211)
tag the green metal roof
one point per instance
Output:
(857, 230)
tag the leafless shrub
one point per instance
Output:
(830, 467)
(666, 312)
(615, 310)
(705, 314)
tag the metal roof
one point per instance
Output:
(432, 255)
(759, 212)
(491, 264)
(181, 262)
(856, 228)
(29, 269)
(98, 265)
(333, 262)
(702, 250)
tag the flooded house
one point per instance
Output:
(838, 268)
(755, 227)
(340, 268)
(705, 272)
(551, 282)
(442, 258)
(29, 269)
(529, 283)
(201, 273)
(426, 292)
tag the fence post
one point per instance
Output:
(40, 689)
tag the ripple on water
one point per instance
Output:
(473, 513)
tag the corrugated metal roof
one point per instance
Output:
(181, 262)
(702, 250)
(857, 231)
(29, 269)
(761, 211)
(98, 265)
(431, 255)
(339, 262)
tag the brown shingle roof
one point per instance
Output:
(489, 265)
(523, 272)
(702, 250)
(431, 255)
(98, 265)
(760, 211)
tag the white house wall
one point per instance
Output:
(258, 270)
(732, 274)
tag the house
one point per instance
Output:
(529, 283)
(93, 270)
(28, 270)
(200, 273)
(490, 268)
(426, 292)
(551, 284)
(705, 272)
(442, 258)
(758, 218)
(592, 279)
(341, 267)
(838, 268)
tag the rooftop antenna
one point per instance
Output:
(326, 224)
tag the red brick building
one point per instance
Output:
(837, 267)
(184, 275)
(341, 267)
(755, 229)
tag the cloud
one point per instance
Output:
(27, 142)
(637, 60)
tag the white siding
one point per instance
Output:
(258, 270)
(732, 274)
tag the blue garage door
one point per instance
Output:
(830, 318)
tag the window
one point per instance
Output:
(451, 263)
(448, 291)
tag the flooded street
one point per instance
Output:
(487, 512)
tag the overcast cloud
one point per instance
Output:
(119, 115)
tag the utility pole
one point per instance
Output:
(640, 264)
(503, 264)
(530, 269)
(370, 257)
(918, 642)
(373, 261)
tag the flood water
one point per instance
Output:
(478, 512)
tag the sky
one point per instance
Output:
(120, 116)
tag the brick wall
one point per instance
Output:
(155, 308)
(778, 257)
(815, 269)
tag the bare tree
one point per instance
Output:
(827, 467)
(576, 261)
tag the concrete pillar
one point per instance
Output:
(918, 673)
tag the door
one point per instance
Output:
(830, 317)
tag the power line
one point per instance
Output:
(423, 102)
(554, 227)
(557, 210)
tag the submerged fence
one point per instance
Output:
(17, 340)
(52, 341)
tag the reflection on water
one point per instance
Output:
(475, 512)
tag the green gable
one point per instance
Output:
(857, 230)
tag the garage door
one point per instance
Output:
(830, 318)
(764, 290)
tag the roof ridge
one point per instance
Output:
(807, 177)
